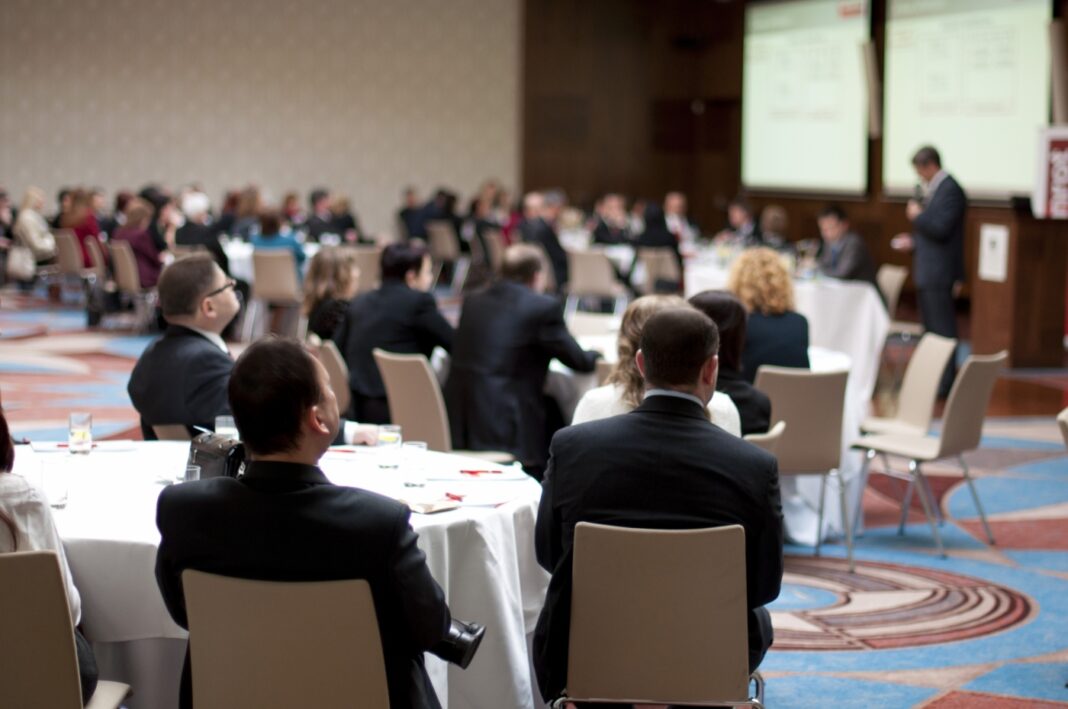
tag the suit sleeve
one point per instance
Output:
(556, 341)
(434, 330)
(548, 546)
(208, 395)
(765, 556)
(850, 261)
(942, 216)
(168, 571)
(419, 595)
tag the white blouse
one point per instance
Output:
(29, 510)
(607, 400)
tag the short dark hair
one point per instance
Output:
(316, 195)
(927, 155)
(742, 203)
(273, 384)
(833, 210)
(730, 317)
(184, 283)
(398, 259)
(7, 447)
(676, 343)
(521, 263)
(270, 222)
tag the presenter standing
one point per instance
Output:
(937, 244)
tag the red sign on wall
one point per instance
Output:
(1050, 198)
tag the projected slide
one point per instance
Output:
(972, 78)
(804, 101)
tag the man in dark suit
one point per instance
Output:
(507, 337)
(320, 219)
(284, 521)
(844, 254)
(536, 228)
(937, 243)
(742, 229)
(400, 316)
(181, 377)
(661, 466)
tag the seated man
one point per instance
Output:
(661, 466)
(844, 254)
(293, 522)
(507, 337)
(181, 377)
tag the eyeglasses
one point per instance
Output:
(230, 283)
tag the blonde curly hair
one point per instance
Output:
(761, 281)
(626, 373)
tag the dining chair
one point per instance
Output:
(661, 266)
(128, 282)
(891, 280)
(962, 430)
(919, 388)
(321, 648)
(171, 432)
(274, 283)
(812, 405)
(768, 441)
(38, 660)
(659, 616)
(416, 403)
(444, 247)
(369, 261)
(1062, 421)
(591, 275)
(338, 371)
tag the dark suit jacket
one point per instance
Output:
(661, 466)
(539, 231)
(193, 234)
(180, 378)
(852, 262)
(287, 522)
(316, 226)
(780, 340)
(938, 237)
(754, 406)
(395, 318)
(508, 334)
(605, 234)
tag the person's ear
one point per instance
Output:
(639, 360)
(709, 370)
(315, 421)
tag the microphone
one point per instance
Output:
(917, 193)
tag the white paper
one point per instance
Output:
(993, 252)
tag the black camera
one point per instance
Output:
(460, 644)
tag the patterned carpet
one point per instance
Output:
(985, 628)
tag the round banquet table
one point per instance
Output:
(481, 553)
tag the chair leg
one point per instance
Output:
(931, 496)
(459, 274)
(758, 679)
(843, 508)
(570, 306)
(906, 503)
(975, 496)
(819, 518)
(862, 482)
(922, 491)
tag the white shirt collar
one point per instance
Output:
(212, 337)
(937, 180)
(676, 394)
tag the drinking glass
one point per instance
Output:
(389, 444)
(225, 426)
(80, 432)
(414, 454)
(191, 472)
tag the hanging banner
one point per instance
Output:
(1050, 198)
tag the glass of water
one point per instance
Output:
(414, 453)
(389, 445)
(80, 432)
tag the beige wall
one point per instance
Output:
(363, 96)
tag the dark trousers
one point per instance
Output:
(87, 671)
(940, 317)
(370, 409)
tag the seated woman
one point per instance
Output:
(31, 229)
(333, 278)
(754, 407)
(625, 387)
(136, 233)
(26, 524)
(775, 334)
(79, 218)
(271, 236)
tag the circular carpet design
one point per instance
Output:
(824, 607)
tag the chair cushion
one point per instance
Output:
(922, 448)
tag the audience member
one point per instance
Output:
(656, 236)
(246, 215)
(844, 254)
(320, 219)
(742, 229)
(79, 219)
(7, 215)
(774, 224)
(271, 236)
(611, 226)
(775, 333)
(508, 335)
(754, 406)
(624, 388)
(662, 466)
(539, 213)
(26, 524)
(196, 231)
(678, 223)
(408, 219)
(135, 233)
(400, 316)
(291, 210)
(291, 517)
(345, 223)
(117, 218)
(332, 280)
(63, 204)
(31, 230)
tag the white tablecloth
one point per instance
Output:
(482, 555)
(239, 254)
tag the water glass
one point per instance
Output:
(414, 454)
(192, 472)
(389, 444)
(225, 426)
(80, 432)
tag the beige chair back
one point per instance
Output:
(369, 261)
(891, 280)
(1062, 421)
(919, 388)
(768, 441)
(38, 662)
(962, 421)
(275, 277)
(96, 257)
(660, 264)
(581, 323)
(171, 432)
(442, 242)
(602, 370)
(415, 401)
(590, 273)
(68, 254)
(811, 404)
(658, 615)
(546, 267)
(494, 243)
(320, 649)
(124, 262)
(338, 372)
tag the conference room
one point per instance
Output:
(494, 353)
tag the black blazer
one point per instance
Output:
(507, 336)
(938, 243)
(781, 340)
(661, 466)
(193, 234)
(539, 231)
(326, 316)
(180, 378)
(754, 406)
(395, 318)
(287, 522)
(853, 262)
